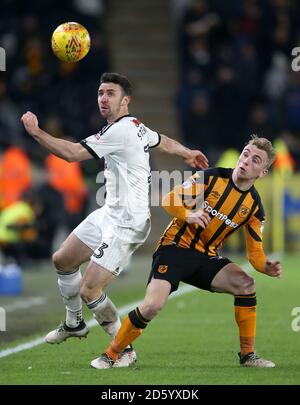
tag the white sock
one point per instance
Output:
(106, 314)
(69, 286)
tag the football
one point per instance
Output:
(70, 42)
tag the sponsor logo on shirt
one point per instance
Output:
(219, 215)
(136, 122)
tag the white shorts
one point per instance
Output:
(112, 244)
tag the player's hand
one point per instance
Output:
(273, 268)
(30, 122)
(197, 159)
(200, 217)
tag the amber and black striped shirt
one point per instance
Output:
(229, 209)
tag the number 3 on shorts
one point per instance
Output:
(101, 250)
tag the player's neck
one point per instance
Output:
(242, 184)
(122, 113)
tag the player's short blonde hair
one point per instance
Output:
(264, 144)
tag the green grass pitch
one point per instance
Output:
(193, 341)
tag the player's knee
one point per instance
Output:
(56, 259)
(87, 294)
(84, 294)
(246, 285)
(60, 262)
(151, 308)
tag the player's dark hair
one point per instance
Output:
(117, 79)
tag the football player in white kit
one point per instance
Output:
(109, 235)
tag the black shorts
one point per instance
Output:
(175, 264)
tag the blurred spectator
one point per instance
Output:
(292, 104)
(200, 32)
(15, 175)
(67, 178)
(10, 128)
(258, 123)
(229, 107)
(276, 78)
(48, 206)
(28, 227)
(292, 141)
(248, 21)
(201, 128)
(16, 229)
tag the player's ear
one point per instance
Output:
(264, 172)
(126, 100)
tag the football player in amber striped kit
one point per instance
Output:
(206, 209)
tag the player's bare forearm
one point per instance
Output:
(173, 147)
(193, 158)
(58, 147)
(69, 151)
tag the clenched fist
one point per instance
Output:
(30, 123)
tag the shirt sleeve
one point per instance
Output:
(153, 138)
(185, 197)
(99, 145)
(254, 236)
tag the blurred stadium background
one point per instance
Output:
(206, 72)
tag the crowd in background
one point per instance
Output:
(36, 80)
(40, 193)
(236, 75)
(235, 80)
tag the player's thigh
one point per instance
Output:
(113, 253)
(72, 253)
(232, 279)
(81, 243)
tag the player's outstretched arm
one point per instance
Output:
(69, 151)
(193, 158)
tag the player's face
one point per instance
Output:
(111, 101)
(252, 163)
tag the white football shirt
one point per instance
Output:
(125, 144)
